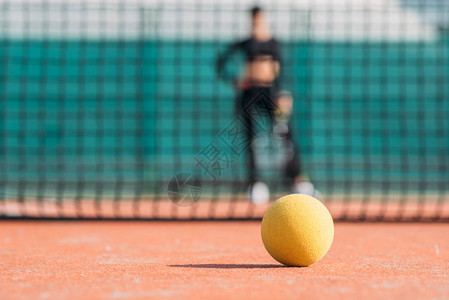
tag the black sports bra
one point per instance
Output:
(260, 50)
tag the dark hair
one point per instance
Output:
(255, 10)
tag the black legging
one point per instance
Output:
(262, 99)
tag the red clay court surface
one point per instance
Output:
(216, 260)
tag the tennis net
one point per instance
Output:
(107, 105)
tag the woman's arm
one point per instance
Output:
(220, 64)
(277, 65)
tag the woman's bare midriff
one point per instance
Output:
(262, 71)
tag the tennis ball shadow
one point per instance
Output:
(230, 266)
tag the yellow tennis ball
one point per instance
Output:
(297, 230)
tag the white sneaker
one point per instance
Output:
(306, 188)
(259, 193)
